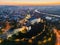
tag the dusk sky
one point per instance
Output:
(29, 2)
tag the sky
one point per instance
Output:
(29, 2)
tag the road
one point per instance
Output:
(57, 36)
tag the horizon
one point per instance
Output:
(30, 3)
